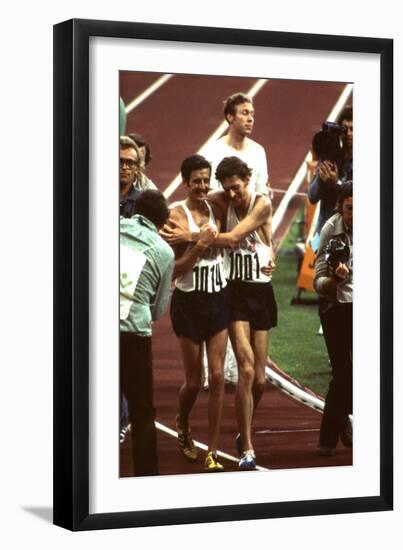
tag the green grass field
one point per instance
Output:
(294, 344)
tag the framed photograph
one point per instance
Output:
(165, 87)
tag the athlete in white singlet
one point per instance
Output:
(199, 307)
(207, 274)
(253, 309)
(244, 262)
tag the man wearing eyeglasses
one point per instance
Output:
(132, 183)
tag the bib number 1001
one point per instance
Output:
(207, 278)
(243, 267)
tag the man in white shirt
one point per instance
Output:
(240, 114)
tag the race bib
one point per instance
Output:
(131, 264)
(243, 265)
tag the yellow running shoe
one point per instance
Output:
(186, 444)
(211, 464)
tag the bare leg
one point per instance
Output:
(260, 343)
(216, 347)
(240, 338)
(191, 354)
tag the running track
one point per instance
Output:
(177, 119)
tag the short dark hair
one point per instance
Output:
(231, 102)
(232, 166)
(141, 142)
(194, 162)
(346, 114)
(346, 191)
(152, 205)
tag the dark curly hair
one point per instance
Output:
(232, 166)
(194, 162)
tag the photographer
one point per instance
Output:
(335, 164)
(334, 284)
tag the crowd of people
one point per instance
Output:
(215, 248)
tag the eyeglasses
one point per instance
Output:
(128, 162)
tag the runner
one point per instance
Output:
(199, 308)
(249, 264)
(253, 306)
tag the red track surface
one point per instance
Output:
(176, 121)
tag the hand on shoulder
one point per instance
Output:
(176, 229)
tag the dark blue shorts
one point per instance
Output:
(253, 302)
(199, 315)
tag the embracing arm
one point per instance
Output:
(177, 231)
(184, 262)
(260, 216)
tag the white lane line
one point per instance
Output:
(345, 94)
(301, 173)
(284, 191)
(202, 446)
(172, 187)
(147, 92)
(294, 391)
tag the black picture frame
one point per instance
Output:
(71, 273)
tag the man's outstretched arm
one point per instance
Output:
(261, 214)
